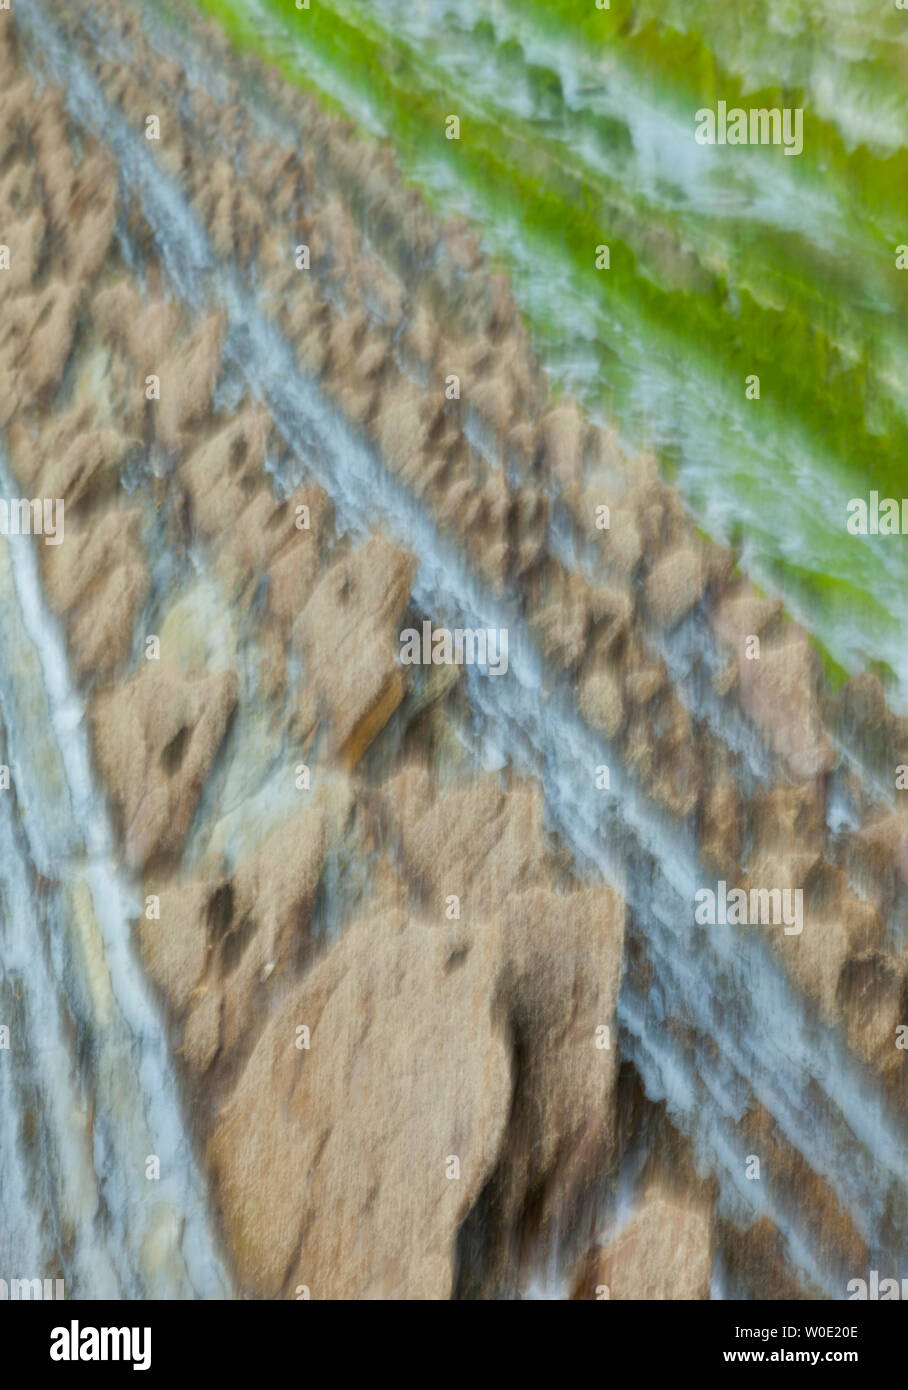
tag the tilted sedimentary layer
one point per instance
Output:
(392, 1100)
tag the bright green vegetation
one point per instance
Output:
(577, 129)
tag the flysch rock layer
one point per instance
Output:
(283, 907)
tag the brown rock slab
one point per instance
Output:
(332, 1163)
(156, 739)
(664, 1252)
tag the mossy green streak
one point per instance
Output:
(703, 291)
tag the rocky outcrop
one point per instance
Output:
(440, 1058)
(458, 1114)
(155, 741)
(383, 1129)
(665, 1251)
(348, 633)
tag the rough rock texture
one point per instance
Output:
(407, 1072)
(664, 1252)
(433, 1034)
(156, 740)
(348, 634)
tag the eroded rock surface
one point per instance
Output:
(318, 825)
